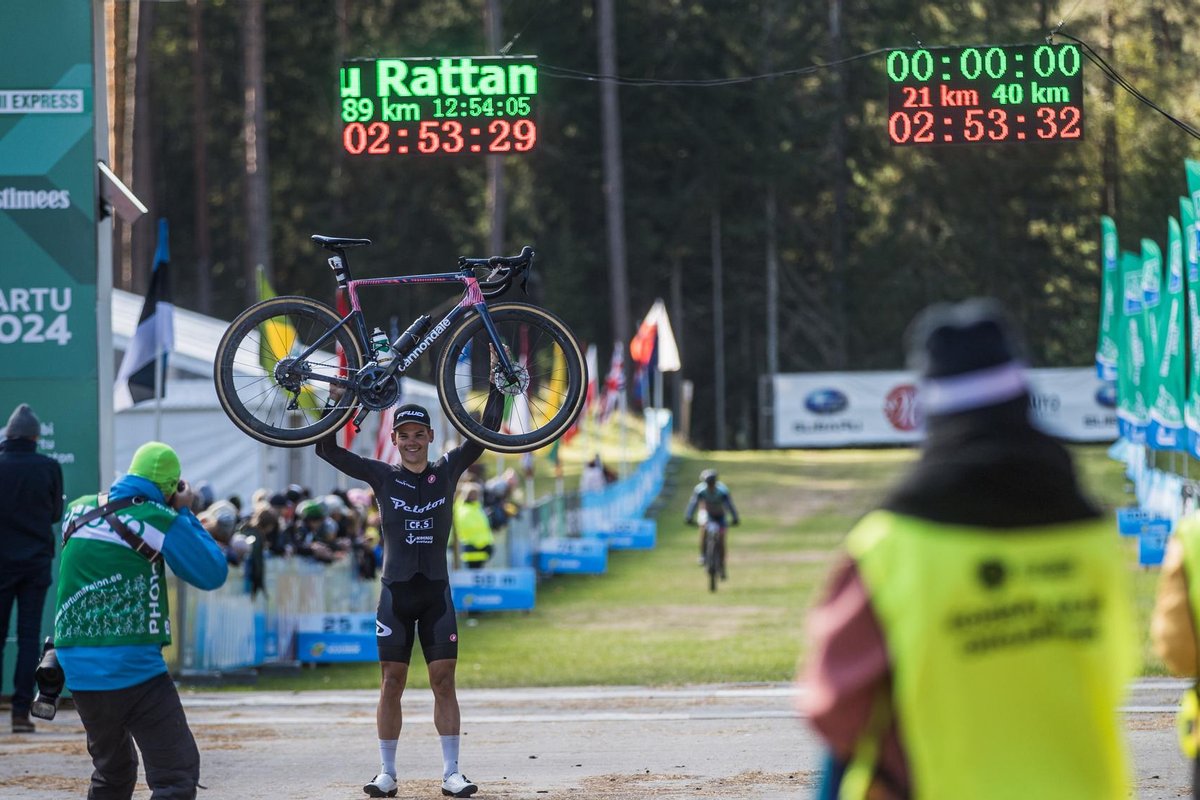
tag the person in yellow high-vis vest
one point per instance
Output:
(1173, 629)
(977, 640)
(471, 527)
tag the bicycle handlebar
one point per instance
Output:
(502, 269)
(524, 258)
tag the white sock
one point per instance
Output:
(449, 755)
(387, 756)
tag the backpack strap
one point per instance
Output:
(108, 510)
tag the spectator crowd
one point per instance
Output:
(337, 527)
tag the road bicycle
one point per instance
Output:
(714, 555)
(280, 358)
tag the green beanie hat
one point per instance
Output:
(159, 464)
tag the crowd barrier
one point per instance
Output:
(313, 612)
(1163, 497)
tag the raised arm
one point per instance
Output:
(344, 461)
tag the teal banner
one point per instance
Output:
(1133, 414)
(1106, 339)
(48, 227)
(1169, 381)
(48, 230)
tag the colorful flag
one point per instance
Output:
(1106, 342)
(589, 397)
(277, 339)
(517, 417)
(154, 338)
(614, 384)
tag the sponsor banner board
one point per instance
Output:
(329, 638)
(494, 589)
(631, 534)
(841, 409)
(1152, 542)
(573, 556)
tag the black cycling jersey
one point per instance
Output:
(415, 509)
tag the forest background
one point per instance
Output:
(225, 121)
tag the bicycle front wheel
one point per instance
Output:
(267, 390)
(545, 400)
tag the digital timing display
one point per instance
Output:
(985, 94)
(436, 106)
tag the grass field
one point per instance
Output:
(651, 619)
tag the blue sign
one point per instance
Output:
(494, 589)
(573, 556)
(1130, 520)
(1152, 542)
(325, 648)
(328, 638)
(632, 534)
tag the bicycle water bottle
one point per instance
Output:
(379, 343)
(408, 340)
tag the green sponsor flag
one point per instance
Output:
(1169, 380)
(1106, 338)
(1191, 271)
(1132, 412)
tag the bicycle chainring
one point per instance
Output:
(376, 389)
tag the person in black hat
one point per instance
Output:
(31, 503)
(978, 637)
(416, 506)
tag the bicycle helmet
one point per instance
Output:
(708, 475)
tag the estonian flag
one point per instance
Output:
(154, 337)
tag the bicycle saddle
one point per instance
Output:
(339, 243)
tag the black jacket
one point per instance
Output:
(31, 504)
(991, 468)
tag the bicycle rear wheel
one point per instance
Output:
(712, 559)
(548, 395)
(269, 393)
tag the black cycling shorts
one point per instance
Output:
(416, 607)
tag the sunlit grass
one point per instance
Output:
(651, 619)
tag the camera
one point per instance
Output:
(50, 682)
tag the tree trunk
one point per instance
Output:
(718, 295)
(257, 210)
(497, 201)
(1110, 199)
(141, 251)
(840, 209)
(203, 267)
(614, 181)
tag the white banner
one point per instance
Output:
(839, 409)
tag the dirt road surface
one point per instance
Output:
(721, 741)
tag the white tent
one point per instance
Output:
(211, 448)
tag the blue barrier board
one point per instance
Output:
(325, 648)
(494, 589)
(632, 534)
(1152, 542)
(573, 556)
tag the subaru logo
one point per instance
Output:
(826, 401)
(1106, 395)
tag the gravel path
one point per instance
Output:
(723, 741)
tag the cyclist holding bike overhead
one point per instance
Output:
(716, 498)
(415, 504)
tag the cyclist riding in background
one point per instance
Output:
(715, 498)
